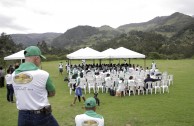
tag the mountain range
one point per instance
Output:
(82, 36)
(34, 38)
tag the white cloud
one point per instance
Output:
(38, 16)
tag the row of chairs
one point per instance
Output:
(148, 87)
(159, 86)
(138, 86)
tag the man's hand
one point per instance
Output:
(51, 93)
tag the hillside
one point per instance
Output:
(84, 36)
(165, 25)
(33, 39)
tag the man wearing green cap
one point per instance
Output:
(32, 87)
(90, 117)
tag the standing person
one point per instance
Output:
(2, 77)
(66, 65)
(32, 87)
(90, 117)
(61, 68)
(8, 79)
(153, 67)
(78, 90)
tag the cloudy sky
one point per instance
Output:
(40, 16)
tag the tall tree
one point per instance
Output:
(7, 46)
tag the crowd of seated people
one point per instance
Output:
(128, 72)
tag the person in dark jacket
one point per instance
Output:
(149, 79)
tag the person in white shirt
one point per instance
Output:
(32, 87)
(10, 91)
(90, 117)
(153, 66)
(61, 68)
(120, 91)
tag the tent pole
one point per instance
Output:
(129, 61)
(100, 61)
(145, 64)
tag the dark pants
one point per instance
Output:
(2, 79)
(10, 92)
(26, 118)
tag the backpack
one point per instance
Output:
(65, 79)
(112, 92)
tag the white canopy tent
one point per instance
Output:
(122, 52)
(109, 53)
(119, 53)
(15, 56)
(86, 53)
(73, 54)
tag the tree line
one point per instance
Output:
(154, 45)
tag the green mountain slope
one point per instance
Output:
(33, 39)
(165, 25)
(82, 36)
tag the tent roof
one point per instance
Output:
(18, 55)
(109, 53)
(86, 53)
(89, 53)
(122, 52)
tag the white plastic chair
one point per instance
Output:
(99, 84)
(91, 84)
(149, 87)
(157, 86)
(108, 84)
(164, 86)
(83, 84)
(132, 87)
(70, 84)
(140, 87)
(115, 82)
(170, 79)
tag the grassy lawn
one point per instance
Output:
(173, 109)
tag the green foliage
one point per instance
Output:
(7, 46)
(74, 36)
(34, 38)
(154, 55)
(55, 57)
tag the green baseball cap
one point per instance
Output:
(90, 102)
(33, 51)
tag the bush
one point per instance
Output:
(154, 55)
(176, 56)
(55, 57)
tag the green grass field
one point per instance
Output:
(173, 109)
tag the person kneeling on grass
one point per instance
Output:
(90, 117)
